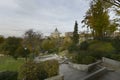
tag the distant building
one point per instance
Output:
(82, 37)
(68, 34)
(115, 34)
(55, 34)
(46, 37)
(85, 36)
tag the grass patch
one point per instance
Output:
(101, 46)
(7, 63)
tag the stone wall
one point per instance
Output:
(111, 62)
(84, 67)
(79, 66)
(58, 77)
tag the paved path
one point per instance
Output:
(71, 73)
(111, 76)
(46, 57)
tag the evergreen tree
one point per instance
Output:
(75, 34)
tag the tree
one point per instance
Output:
(22, 52)
(2, 39)
(97, 19)
(32, 41)
(113, 2)
(49, 45)
(75, 34)
(112, 27)
(46, 45)
(67, 42)
(10, 45)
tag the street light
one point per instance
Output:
(25, 53)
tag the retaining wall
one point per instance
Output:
(111, 62)
(84, 67)
(79, 66)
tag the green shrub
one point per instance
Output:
(83, 58)
(88, 60)
(116, 44)
(84, 45)
(98, 54)
(115, 57)
(29, 71)
(77, 59)
(39, 71)
(101, 46)
(61, 49)
(51, 67)
(99, 49)
(73, 48)
(8, 75)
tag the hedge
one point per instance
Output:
(8, 75)
(39, 71)
(82, 58)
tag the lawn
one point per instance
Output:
(8, 63)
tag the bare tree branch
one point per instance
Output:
(113, 2)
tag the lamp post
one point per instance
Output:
(25, 54)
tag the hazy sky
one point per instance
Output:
(17, 16)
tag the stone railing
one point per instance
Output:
(95, 75)
(92, 67)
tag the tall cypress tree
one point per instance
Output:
(75, 34)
